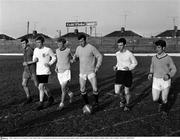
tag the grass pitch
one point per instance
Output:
(109, 120)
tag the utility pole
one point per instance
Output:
(125, 18)
(125, 15)
(28, 27)
(175, 29)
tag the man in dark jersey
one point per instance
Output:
(29, 69)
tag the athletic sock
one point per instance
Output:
(96, 97)
(159, 101)
(85, 98)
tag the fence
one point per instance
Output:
(104, 44)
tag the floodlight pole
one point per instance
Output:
(28, 27)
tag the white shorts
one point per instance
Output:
(160, 84)
(85, 76)
(64, 76)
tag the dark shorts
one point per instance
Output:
(42, 78)
(124, 78)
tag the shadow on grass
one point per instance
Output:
(173, 94)
(141, 96)
(26, 127)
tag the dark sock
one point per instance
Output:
(85, 98)
(159, 101)
(96, 97)
(164, 107)
(122, 99)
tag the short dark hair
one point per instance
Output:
(122, 40)
(24, 39)
(161, 43)
(82, 36)
(40, 38)
(61, 40)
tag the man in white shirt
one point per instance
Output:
(125, 63)
(44, 58)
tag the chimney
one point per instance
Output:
(34, 35)
(122, 29)
(175, 31)
(76, 31)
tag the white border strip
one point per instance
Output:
(144, 54)
(106, 54)
(11, 54)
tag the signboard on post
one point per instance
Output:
(76, 24)
(91, 24)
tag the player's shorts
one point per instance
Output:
(42, 78)
(85, 76)
(160, 84)
(123, 78)
(27, 75)
(64, 76)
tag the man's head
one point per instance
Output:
(39, 41)
(160, 46)
(82, 40)
(24, 43)
(121, 43)
(61, 42)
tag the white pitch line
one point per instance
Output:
(129, 121)
(144, 54)
(11, 54)
(106, 54)
(174, 132)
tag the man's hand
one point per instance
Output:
(72, 61)
(150, 76)
(56, 70)
(25, 63)
(47, 65)
(126, 68)
(114, 68)
(36, 60)
(166, 77)
(96, 69)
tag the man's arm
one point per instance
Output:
(75, 57)
(99, 58)
(133, 62)
(35, 57)
(172, 66)
(150, 75)
(53, 57)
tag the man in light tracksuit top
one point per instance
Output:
(87, 55)
(162, 69)
(63, 70)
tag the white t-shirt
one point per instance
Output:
(44, 55)
(125, 59)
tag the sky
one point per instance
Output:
(145, 17)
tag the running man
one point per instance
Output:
(29, 69)
(63, 71)
(87, 55)
(162, 69)
(126, 62)
(44, 58)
